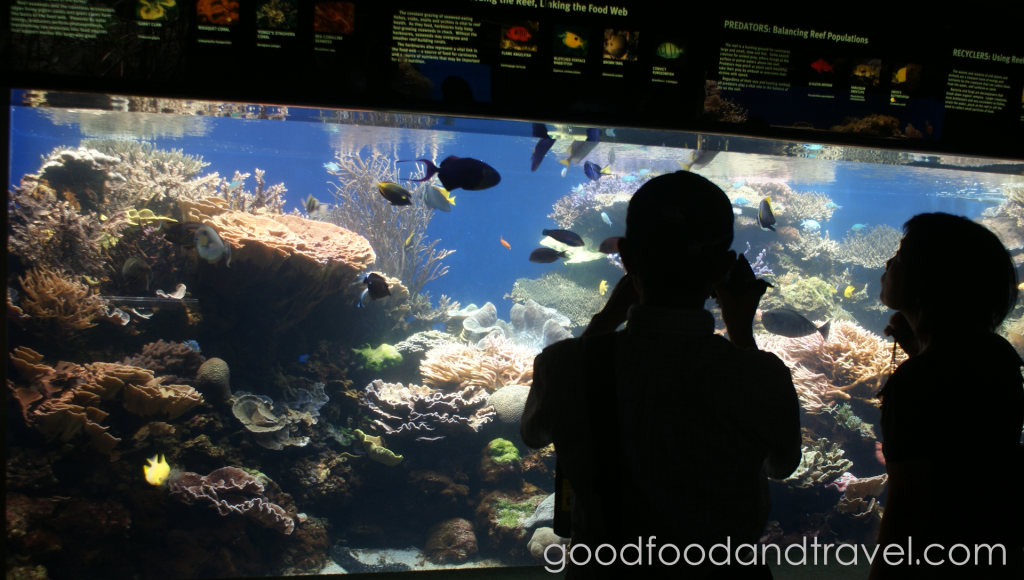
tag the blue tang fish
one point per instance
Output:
(545, 143)
(455, 172)
(303, 358)
(594, 171)
(741, 201)
(738, 184)
(606, 219)
(643, 172)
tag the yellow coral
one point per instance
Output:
(375, 450)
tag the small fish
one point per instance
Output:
(810, 147)
(833, 205)
(546, 255)
(848, 292)
(136, 270)
(741, 201)
(610, 133)
(579, 150)
(233, 185)
(602, 287)
(573, 40)
(610, 245)
(438, 198)
(408, 241)
(606, 219)
(518, 34)
(376, 285)
(394, 193)
(821, 65)
(668, 50)
(542, 147)
(643, 172)
(765, 217)
(210, 247)
(303, 358)
(900, 76)
(332, 166)
(565, 236)
(628, 178)
(594, 171)
(157, 470)
(698, 159)
(791, 324)
(455, 172)
(858, 227)
(314, 207)
(578, 190)
(504, 243)
(810, 225)
(739, 184)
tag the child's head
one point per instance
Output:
(956, 271)
(678, 229)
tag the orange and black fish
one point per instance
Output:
(504, 243)
(455, 172)
(182, 234)
(518, 34)
(395, 193)
(546, 255)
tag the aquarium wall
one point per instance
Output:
(250, 340)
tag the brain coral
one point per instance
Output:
(509, 402)
(214, 378)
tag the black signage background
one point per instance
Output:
(616, 63)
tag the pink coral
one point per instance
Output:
(232, 491)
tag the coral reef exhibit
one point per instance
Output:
(240, 345)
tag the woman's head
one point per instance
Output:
(952, 269)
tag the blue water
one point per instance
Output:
(481, 269)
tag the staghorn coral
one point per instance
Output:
(264, 200)
(361, 209)
(871, 249)
(820, 464)
(421, 409)
(558, 292)
(570, 207)
(57, 305)
(494, 363)
(232, 491)
(45, 231)
(852, 363)
(811, 205)
(811, 245)
(811, 296)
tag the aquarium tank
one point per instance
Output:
(250, 340)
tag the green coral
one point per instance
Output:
(846, 418)
(510, 514)
(810, 296)
(383, 357)
(502, 451)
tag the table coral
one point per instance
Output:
(154, 398)
(231, 491)
(421, 409)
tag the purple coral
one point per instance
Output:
(759, 266)
(231, 490)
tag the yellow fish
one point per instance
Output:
(572, 40)
(408, 241)
(602, 287)
(157, 470)
(1020, 286)
(848, 292)
(900, 76)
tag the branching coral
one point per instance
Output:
(570, 207)
(591, 196)
(852, 363)
(811, 245)
(361, 209)
(57, 305)
(821, 464)
(871, 249)
(417, 409)
(493, 364)
(46, 231)
(810, 205)
(232, 491)
(562, 294)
